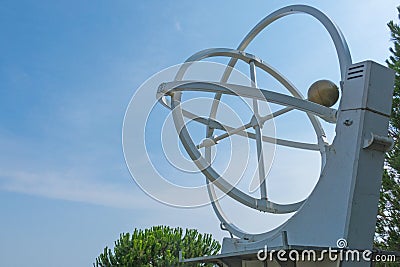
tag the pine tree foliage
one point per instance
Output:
(158, 246)
(388, 220)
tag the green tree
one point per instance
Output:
(388, 221)
(158, 246)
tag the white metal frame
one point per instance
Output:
(296, 101)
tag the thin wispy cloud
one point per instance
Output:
(73, 188)
(178, 26)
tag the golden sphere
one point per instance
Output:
(323, 92)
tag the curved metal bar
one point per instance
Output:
(344, 61)
(259, 142)
(246, 57)
(217, 125)
(233, 229)
(315, 123)
(239, 55)
(325, 113)
(337, 36)
(338, 39)
(259, 63)
(261, 120)
(281, 142)
(213, 176)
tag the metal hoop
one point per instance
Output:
(235, 55)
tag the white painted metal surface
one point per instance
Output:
(344, 202)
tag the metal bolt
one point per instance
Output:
(348, 122)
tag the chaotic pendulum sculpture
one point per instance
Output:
(347, 191)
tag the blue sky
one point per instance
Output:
(67, 72)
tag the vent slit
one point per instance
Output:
(357, 71)
(356, 67)
(354, 77)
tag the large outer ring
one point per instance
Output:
(344, 61)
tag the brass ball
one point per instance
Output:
(323, 92)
